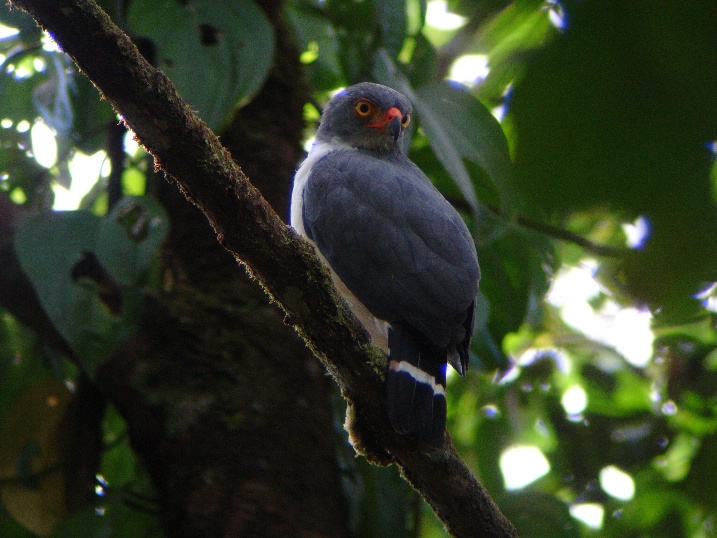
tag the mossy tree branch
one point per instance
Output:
(192, 157)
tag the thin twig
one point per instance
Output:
(562, 234)
(599, 249)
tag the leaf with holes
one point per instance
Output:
(217, 54)
(89, 273)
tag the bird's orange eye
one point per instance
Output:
(406, 120)
(363, 108)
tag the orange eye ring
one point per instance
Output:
(364, 108)
(406, 120)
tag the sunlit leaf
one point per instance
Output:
(32, 484)
(508, 40)
(16, 97)
(317, 41)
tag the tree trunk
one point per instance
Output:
(226, 406)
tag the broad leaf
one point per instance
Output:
(390, 17)
(316, 38)
(89, 273)
(475, 133)
(92, 116)
(16, 96)
(218, 54)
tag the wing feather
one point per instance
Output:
(395, 242)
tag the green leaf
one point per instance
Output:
(113, 517)
(384, 502)
(701, 483)
(217, 54)
(21, 361)
(15, 160)
(508, 41)
(353, 16)
(130, 237)
(92, 116)
(89, 272)
(539, 515)
(315, 37)
(618, 113)
(16, 18)
(16, 96)
(475, 133)
(422, 68)
(515, 276)
(390, 18)
(118, 464)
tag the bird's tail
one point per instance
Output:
(416, 385)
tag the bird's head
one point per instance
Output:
(366, 116)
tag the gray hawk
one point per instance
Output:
(399, 253)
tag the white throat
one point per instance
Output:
(377, 328)
(318, 151)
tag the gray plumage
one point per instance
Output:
(394, 241)
(396, 244)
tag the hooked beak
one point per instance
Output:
(391, 123)
(394, 127)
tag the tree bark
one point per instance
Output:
(225, 405)
(287, 268)
(251, 405)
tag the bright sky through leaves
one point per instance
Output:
(522, 465)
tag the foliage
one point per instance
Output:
(232, 45)
(609, 118)
(91, 282)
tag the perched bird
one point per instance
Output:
(398, 252)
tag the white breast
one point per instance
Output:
(377, 328)
(318, 152)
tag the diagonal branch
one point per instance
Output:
(286, 266)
